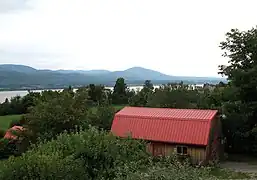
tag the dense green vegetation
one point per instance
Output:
(67, 135)
(94, 154)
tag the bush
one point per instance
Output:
(7, 148)
(169, 168)
(94, 154)
(170, 173)
(63, 112)
(42, 167)
(90, 154)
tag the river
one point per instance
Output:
(10, 94)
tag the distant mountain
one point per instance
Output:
(19, 76)
(17, 68)
(144, 74)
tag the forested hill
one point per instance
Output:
(23, 77)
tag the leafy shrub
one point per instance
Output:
(170, 173)
(169, 168)
(7, 148)
(90, 154)
(94, 154)
(62, 112)
(36, 166)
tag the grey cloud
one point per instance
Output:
(15, 55)
(12, 5)
(35, 59)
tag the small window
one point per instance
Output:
(182, 150)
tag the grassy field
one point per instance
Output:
(6, 120)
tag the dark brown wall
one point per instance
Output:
(214, 149)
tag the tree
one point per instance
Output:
(240, 48)
(30, 100)
(102, 116)
(141, 97)
(96, 93)
(174, 96)
(63, 112)
(5, 108)
(119, 95)
(16, 105)
(148, 85)
(69, 90)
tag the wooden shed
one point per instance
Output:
(190, 132)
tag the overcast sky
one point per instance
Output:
(174, 37)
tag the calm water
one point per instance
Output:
(10, 94)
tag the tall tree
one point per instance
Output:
(148, 85)
(96, 93)
(240, 48)
(120, 90)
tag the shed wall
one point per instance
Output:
(197, 154)
(214, 149)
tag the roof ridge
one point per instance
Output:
(195, 109)
(166, 118)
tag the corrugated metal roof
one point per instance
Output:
(185, 126)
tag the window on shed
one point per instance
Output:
(182, 150)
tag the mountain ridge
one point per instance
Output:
(17, 76)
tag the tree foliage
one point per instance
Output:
(60, 112)
(94, 154)
(141, 97)
(120, 91)
(101, 117)
(97, 94)
(90, 154)
(240, 49)
(174, 96)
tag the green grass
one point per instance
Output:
(6, 120)
(118, 107)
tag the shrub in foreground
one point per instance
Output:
(89, 154)
(97, 155)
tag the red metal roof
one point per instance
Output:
(183, 126)
(9, 133)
